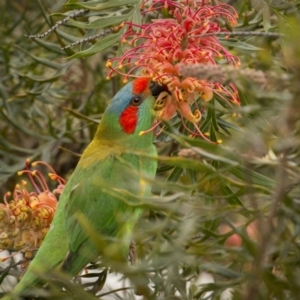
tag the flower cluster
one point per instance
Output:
(157, 49)
(25, 216)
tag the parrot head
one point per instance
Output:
(131, 111)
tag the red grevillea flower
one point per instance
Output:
(25, 216)
(159, 47)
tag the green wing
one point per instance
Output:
(107, 214)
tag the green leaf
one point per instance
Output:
(181, 162)
(98, 5)
(43, 61)
(80, 116)
(101, 22)
(106, 42)
(266, 17)
(212, 151)
(224, 124)
(252, 177)
(164, 169)
(52, 78)
(136, 18)
(176, 173)
(236, 44)
(173, 177)
(231, 198)
(51, 47)
(39, 89)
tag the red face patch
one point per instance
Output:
(129, 118)
(139, 85)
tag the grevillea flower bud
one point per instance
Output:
(25, 215)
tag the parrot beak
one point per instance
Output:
(161, 95)
(156, 89)
(162, 98)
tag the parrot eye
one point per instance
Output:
(136, 100)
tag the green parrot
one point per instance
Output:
(109, 166)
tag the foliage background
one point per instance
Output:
(49, 102)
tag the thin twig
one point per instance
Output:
(242, 33)
(99, 35)
(57, 24)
